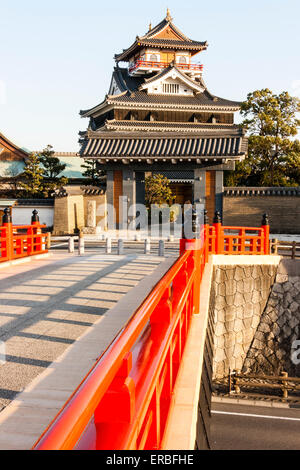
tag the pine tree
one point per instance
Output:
(273, 155)
(51, 167)
(32, 177)
(93, 174)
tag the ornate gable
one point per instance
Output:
(172, 81)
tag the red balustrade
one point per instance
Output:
(18, 241)
(162, 65)
(237, 240)
(124, 400)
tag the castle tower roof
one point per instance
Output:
(164, 35)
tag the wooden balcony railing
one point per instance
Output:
(162, 65)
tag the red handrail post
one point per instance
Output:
(206, 236)
(266, 231)
(118, 404)
(7, 223)
(37, 232)
(218, 229)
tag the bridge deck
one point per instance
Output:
(57, 315)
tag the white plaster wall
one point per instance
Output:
(22, 215)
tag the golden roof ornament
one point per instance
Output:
(150, 26)
(168, 17)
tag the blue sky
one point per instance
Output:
(57, 57)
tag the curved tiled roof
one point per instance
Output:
(169, 126)
(149, 39)
(132, 97)
(199, 100)
(173, 146)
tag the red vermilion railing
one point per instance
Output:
(162, 65)
(18, 241)
(123, 402)
(237, 240)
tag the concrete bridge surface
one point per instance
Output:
(57, 315)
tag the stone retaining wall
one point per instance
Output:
(239, 294)
(272, 346)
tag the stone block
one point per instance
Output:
(221, 289)
(219, 355)
(255, 321)
(230, 300)
(230, 314)
(280, 278)
(238, 325)
(220, 302)
(256, 297)
(257, 284)
(248, 310)
(230, 287)
(287, 331)
(294, 307)
(240, 286)
(248, 285)
(238, 299)
(239, 273)
(264, 327)
(247, 296)
(220, 329)
(229, 273)
(247, 322)
(293, 322)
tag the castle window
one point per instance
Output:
(153, 58)
(182, 60)
(171, 88)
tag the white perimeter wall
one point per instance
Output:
(22, 215)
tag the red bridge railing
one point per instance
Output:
(228, 240)
(19, 241)
(124, 400)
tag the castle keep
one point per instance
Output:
(159, 117)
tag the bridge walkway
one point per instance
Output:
(57, 315)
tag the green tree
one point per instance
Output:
(32, 177)
(273, 155)
(93, 174)
(157, 190)
(51, 167)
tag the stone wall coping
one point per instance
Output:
(249, 260)
(262, 191)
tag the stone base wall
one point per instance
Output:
(238, 297)
(284, 211)
(100, 209)
(272, 346)
(70, 213)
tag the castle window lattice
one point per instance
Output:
(171, 88)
